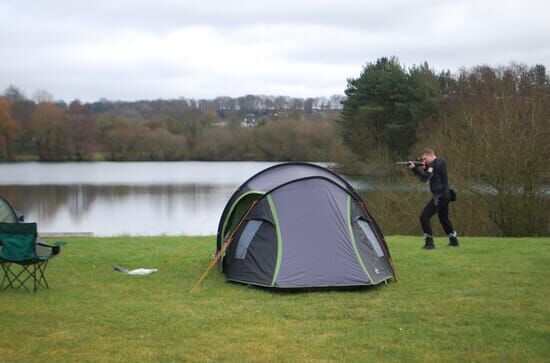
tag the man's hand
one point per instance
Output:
(416, 164)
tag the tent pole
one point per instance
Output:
(222, 249)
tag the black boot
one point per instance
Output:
(429, 244)
(453, 241)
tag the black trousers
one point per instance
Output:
(439, 205)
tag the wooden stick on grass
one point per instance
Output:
(222, 250)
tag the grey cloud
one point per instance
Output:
(99, 49)
(159, 16)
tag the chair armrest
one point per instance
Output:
(44, 249)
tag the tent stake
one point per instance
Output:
(222, 250)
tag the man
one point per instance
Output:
(434, 170)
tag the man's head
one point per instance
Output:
(427, 156)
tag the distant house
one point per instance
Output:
(248, 122)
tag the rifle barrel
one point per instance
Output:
(417, 163)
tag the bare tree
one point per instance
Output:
(42, 96)
(14, 94)
(494, 132)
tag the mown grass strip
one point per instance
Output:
(485, 301)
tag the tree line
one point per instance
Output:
(491, 124)
(283, 128)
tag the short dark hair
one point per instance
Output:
(428, 151)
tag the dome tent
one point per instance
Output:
(8, 213)
(298, 225)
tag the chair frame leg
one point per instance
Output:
(41, 268)
(6, 277)
(36, 271)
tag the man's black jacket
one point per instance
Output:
(436, 174)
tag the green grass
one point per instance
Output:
(488, 300)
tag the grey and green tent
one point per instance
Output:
(8, 213)
(299, 225)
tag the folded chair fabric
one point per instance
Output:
(23, 257)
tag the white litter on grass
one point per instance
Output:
(142, 271)
(138, 271)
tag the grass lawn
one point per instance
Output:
(488, 300)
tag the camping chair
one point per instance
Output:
(24, 258)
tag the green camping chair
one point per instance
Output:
(24, 258)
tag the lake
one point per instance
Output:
(130, 198)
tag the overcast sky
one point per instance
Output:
(131, 49)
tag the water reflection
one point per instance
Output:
(124, 198)
(191, 209)
(142, 198)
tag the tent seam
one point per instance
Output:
(279, 238)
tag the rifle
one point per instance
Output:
(416, 162)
